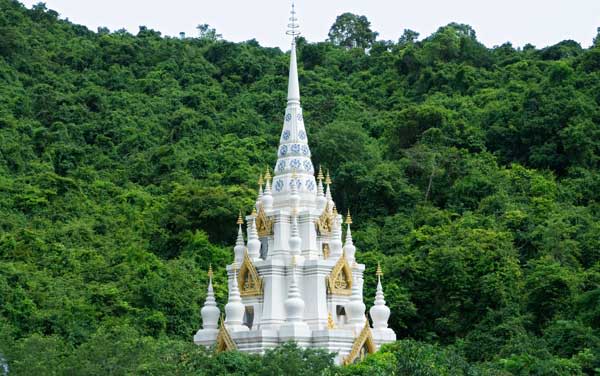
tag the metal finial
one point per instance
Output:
(210, 271)
(268, 175)
(348, 218)
(293, 27)
(254, 212)
(379, 272)
(320, 176)
(240, 220)
(328, 178)
(260, 180)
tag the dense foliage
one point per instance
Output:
(471, 172)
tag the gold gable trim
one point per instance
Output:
(264, 225)
(249, 281)
(339, 281)
(224, 340)
(363, 345)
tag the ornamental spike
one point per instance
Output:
(348, 218)
(320, 175)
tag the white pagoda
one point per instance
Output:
(294, 279)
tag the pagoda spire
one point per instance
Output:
(210, 312)
(240, 246)
(253, 241)
(234, 309)
(293, 84)
(380, 313)
(293, 153)
(349, 247)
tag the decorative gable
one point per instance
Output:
(339, 281)
(249, 281)
(363, 345)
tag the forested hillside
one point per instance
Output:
(471, 174)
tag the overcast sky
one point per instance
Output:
(539, 22)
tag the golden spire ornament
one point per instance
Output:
(320, 175)
(240, 220)
(348, 218)
(268, 175)
(328, 179)
(210, 271)
(260, 180)
(379, 272)
(254, 212)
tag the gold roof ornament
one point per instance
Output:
(210, 271)
(348, 218)
(260, 181)
(339, 281)
(320, 175)
(330, 322)
(268, 175)
(379, 273)
(249, 281)
(240, 220)
(264, 224)
(328, 179)
(325, 222)
(253, 212)
(363, 345)
(224, 340)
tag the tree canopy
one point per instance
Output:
(472, 175)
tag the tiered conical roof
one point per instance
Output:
(293, 154)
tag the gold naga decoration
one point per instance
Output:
(363, 345)
(339, 281)
(224, 340)
(249, 281)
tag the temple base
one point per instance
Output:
(338, 341)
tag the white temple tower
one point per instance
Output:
(296, 280)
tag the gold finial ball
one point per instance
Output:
(379, 272)
(348, 218)
(240, 220)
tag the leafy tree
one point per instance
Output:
(352, 31)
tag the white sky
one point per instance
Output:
(540, 22)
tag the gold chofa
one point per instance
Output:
(325, 222)
(363, 345)
(249, 281)
(224, 340)
(264, 225)
(339, 281)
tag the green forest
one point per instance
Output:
(472, 175)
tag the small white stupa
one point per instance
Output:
(296, 280)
